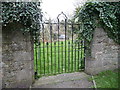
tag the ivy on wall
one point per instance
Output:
(94, 14)
(26, 13)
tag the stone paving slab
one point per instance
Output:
(67, 80)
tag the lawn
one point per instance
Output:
(58, 57)
(107, 79)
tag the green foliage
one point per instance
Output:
(26, 13)
(94, 14)
(107, 79)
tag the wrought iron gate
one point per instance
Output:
(58, 50)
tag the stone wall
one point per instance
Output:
(104, 53)
(17, 57)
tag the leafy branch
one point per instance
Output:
(27, 13)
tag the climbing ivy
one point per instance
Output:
(26, 13)
(94, 14)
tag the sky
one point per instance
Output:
(51, 8)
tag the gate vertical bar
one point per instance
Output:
(51, 47)
(43, 49)
(68, 56)
(55, 55)
(62, 56)
(79, 50)
(40, 55)
(84, 52)
(39, 48)
(58, 46)
(78, 55)
(65, 42)
(75, 57)
(72, 47)
(81, 54)
(36, 62)
(48, 55)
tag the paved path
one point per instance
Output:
(67, 80)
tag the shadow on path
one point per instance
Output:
(67, 80)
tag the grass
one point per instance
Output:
(107, 79)
(58, 57)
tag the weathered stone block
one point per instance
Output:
(110, 55)
(100, 32)
(24, 76)
(22, 55)
(7, 56)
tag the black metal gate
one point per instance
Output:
(58, 50)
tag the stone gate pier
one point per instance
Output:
(17, 57)
(104, 53)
